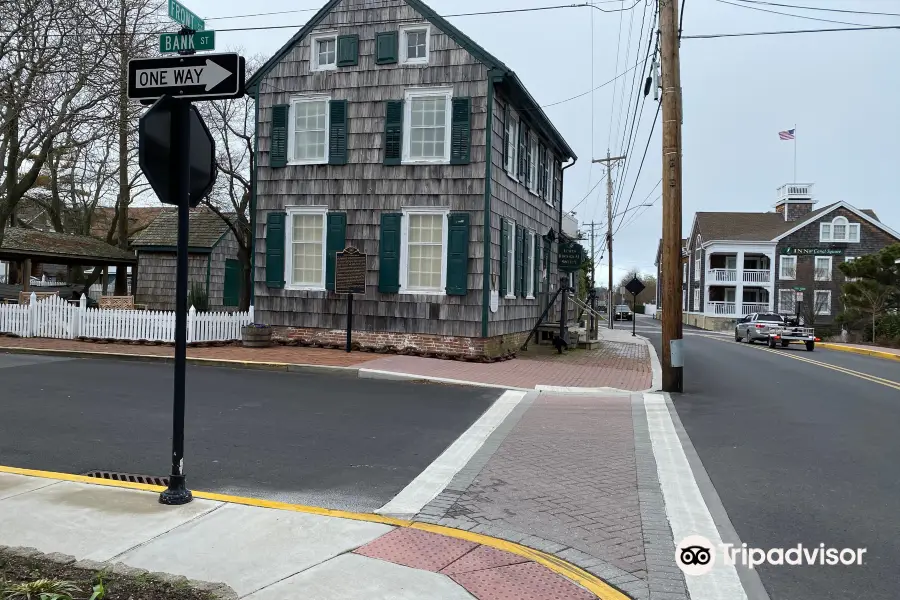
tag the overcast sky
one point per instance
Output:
(840, 89)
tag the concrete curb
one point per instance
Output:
(364, 373)
(863, 351)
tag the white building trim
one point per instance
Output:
(833, 208)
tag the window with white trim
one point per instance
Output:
(426, 136)
(697, 267)
(511, 262)
(512, 139)
(822, 302)
(414, 44)
(787, 302)
(839, 230)
(323, 49)
(822, 268)
(309, 130)
(548, 176)
(850, 259)
(697, 299)
(423, 252)
(529, 275)
(305, 260)
(533, 163)
(788, 268)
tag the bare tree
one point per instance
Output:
(232, 124)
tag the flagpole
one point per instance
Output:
(795, 153)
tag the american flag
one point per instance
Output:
(786, 135)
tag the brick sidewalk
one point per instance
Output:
(574, 476)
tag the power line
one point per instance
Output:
(836, 10)
(776, 12)
(709, 36)
(641, 166)
(612, 105)
(599, 181)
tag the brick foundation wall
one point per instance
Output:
(412, 343)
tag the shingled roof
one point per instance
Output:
(207, 228)
(60, 248)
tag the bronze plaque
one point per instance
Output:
(350, 272)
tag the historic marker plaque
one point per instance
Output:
(350, 272)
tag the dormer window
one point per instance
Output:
(839, 230)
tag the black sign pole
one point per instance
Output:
(633, 313)
(349, 321)
(179, 164)
(563, 309)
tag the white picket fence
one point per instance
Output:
(54, 317)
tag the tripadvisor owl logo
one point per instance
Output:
(695, 555)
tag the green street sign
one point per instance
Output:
(793, 250)
(173, 42)
(180, 14)
(797, 288)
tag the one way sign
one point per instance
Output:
(201, 76)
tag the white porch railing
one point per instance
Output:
(748, 308)
(54, 317)
(756, 276)
(721, 308)
(721, 276)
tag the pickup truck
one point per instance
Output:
(774, 330)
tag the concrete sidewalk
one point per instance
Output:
(270, 551)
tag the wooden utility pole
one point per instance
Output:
(672, 351)
(608, 162)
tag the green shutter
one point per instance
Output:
(542, 171)
(461, 131)
(347, 50)
(278, 139)
(389, 254)
(337, 134)
(275, 249)
(537, 265)
(520, 267)
(523, 153)
(386, 44)
(393, 132)
(231, 294)
(504, 261)
(335, 242)
(557, 182)
(458, 254)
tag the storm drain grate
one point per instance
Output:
(131, 477)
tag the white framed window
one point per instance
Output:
(415, 44)
(305, 256)
(850, 259)
(787, 302)
(822, 268)
(529, 264)
(511, 261)
(788, 268)
(853, 233)
(323, 52)
(839, 230)
(697, 268)
(308, 130)
(697, 299)
(423, 247)
(533, 163)
(512, 139)
(824, 232)
(822, 302)
(551, 178)
(426, 136)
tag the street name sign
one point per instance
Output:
(201, 76)
(175, 42)
(179, 13)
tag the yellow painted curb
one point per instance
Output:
(593, 584)
(864, 351)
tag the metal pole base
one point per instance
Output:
(177, 494)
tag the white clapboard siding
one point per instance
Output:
(53, 317)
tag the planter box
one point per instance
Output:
(256, 337)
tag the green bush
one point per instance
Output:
(197, 297)
(639, 309)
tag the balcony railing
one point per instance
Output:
(722, 276)
(756, 276)
(721, 308)
(749, 308)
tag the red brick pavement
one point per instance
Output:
(618, 365)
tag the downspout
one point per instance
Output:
(252, 248)
(494, 76)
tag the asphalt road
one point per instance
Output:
(799, 452)
(326, 440)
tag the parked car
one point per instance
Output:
(756, 327)
(623, 313)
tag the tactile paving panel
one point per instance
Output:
(483, 557)
(417, 549)
(526, 581)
